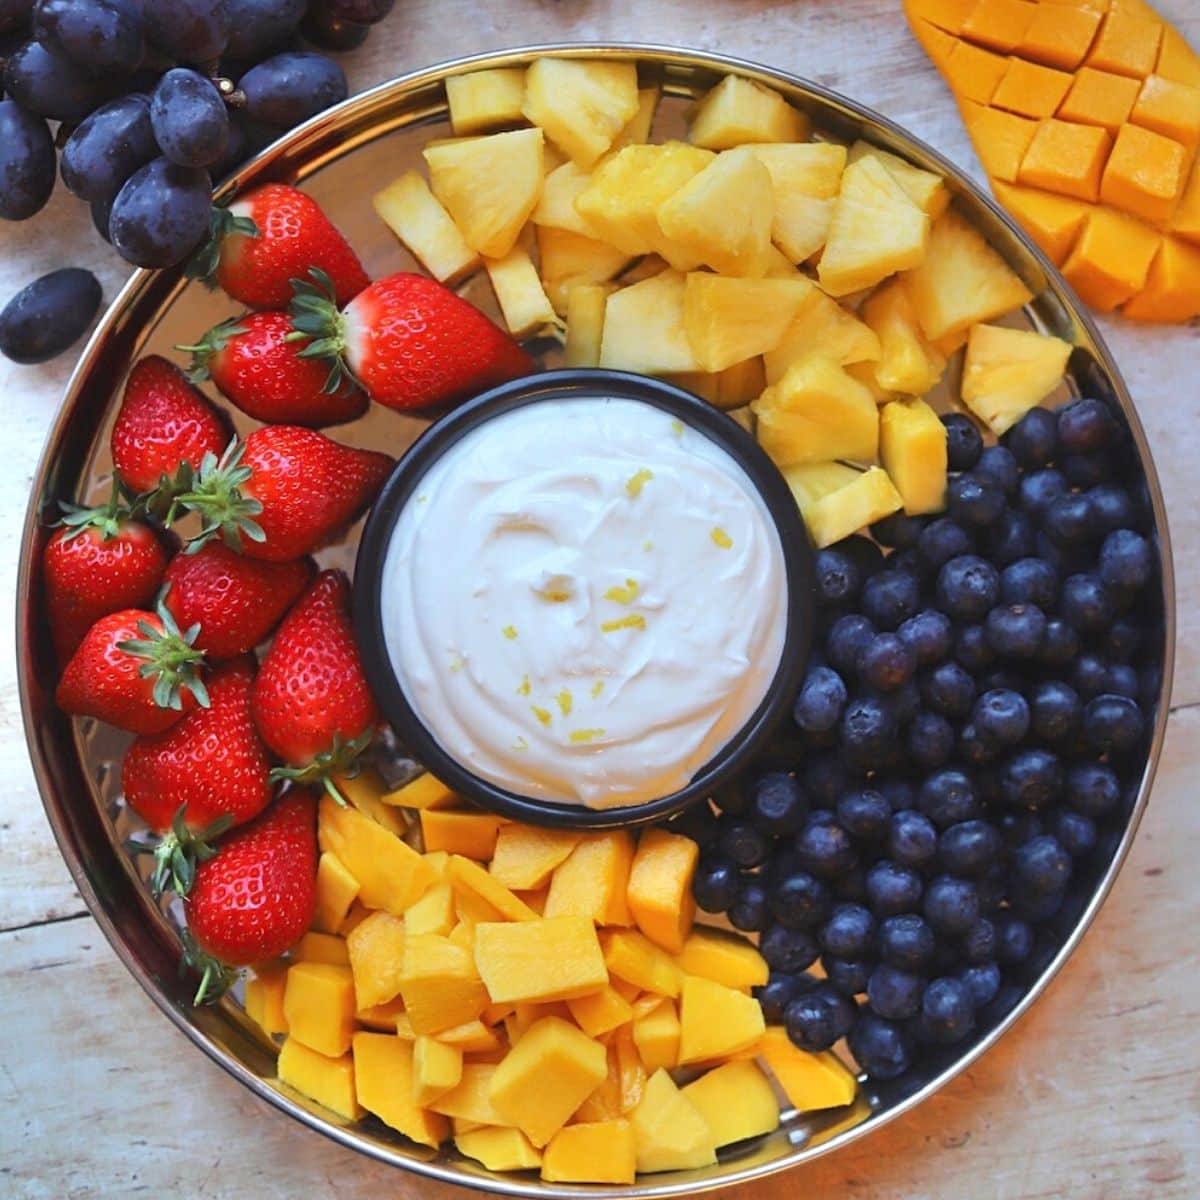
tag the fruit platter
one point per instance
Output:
(899, 544)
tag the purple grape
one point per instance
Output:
(107, 147)
(190, 121)
(45, 82)
(100, 210)
(361, 12)
(45, 317)
(291, 87)
(323, 29)
(161, 214)
(257, 27)
(98, 35)
(26, 162)
(195, 31)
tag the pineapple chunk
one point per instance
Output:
(484, 100)
(925, 189)
(869, 498)
(556, 205)
(822, 326)
(864, 372)
(730, 320)
(817, 412)
(744, 417)
(810, 481)
(723, 215)
(585, 325)
(739, 110)
(643, 328)
(1009, 371)
(519, 292)
(875, 231)
(779, 266)
(582, 106)
(569, 259)
(638, 129)
(489, 185)
(739, 384)
(961, 280)
(907, 362)
(805, 179)
(621, 204)
(411, 211)
(912, 444)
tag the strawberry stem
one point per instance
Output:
(180, 850)
(317, 320)
(221, 224)
(170, 659)
(342, 758)
(216, 977)
(216, 497)
(212, 343)
(107, 518)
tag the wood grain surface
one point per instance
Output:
(1095, 1095)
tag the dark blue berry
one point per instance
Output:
(947, 797)
(789, 950)
(951, 905)
(849, 932)
(799, 901)
(974, 749)
(1001, 716)
(906, 942)
(1011, 538)
(998, 465)
(824, 847)
(1068, 519)
(1019, 827)
(1085, 425)
(847, 976)
(1060, 644)
(1126, 560)
(892, 888)
(819, 704)
(890, 597)
(1121, 640)
(1075, 832)
(899, 530)
(1031, 779)
(851, 886)
(1086, 469)
(930, 740)
(1034, 438)
(741, 843)
(1122, 680)
(1112, 508)
(899, 793)
(837, 574)
(1014, 940)
(982, 982)
(942, 540)
(1055, 710)
(1089, 675)
(963, 441)
(1039, 489)
(929, 635)
(886, 662)
(775, 995)
(947, 1011)
(912, 839)
(972, 648)
(818, 1019)
(868, 730)
(1029, 581)
(864, 813)
(880, 1047)
(1086, 603)
(846, 640)
(824, 779)
(894, 993)
(865, 553)
(1038, 906)
(749, 912)
(1041, 865)
(698, 823)
(967, 586)
(1113, 724)
(778, 806)
(948, 689)
(1016, 630)
(904, 703)
(973, 500)
(979, 942)
(716, 884)
(969, 847)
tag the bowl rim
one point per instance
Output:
(581, 384)
(95, 888)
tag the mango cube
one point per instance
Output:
(499, 1149)
(389, 1017)
(1111, 259)
(972, 72)
(868, 498)
(385, 1077)
(336, 891)
(526, 855)
(1128, 41)
(592, 881)
(715, 1021)
(376, 952)
(1009, 371)
(1030, 90)
(1170, 108)
(1176, 59)
(585, 327)
(425, 791)
(1052, 221)
(739, 110)
(548, 958)
(810, 1081)
(907, 363)
(264, 997)
(810, 482)
(470, 1099)
(328, 1081)
(1066, 158)
(1144, 175)
(471, 1037)
(600, 1012)
(439, 983)
(1172, 290)
(436, 1068)
(644, 330)
(582, 106)
(433, 913)
(1000, 24)
(669, 1131)
(948, 15)
(1000, 138)
(1059, 36)
(912, 444)
(805, 180)
(660, 887)
(412, 212)
(481, 100)
(465, 875)
(318, 1002)
(365, 792)
(592, 1152)
(1099, 98)
(730, 320)
(322, 948)
(723, 957)
(656, 1036)
(631, 956)
(822, 326)
(631, 1072)
(470, 833)
(736, 1101)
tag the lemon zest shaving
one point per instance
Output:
(597, 688)
(565, 702)
(721, 538)
(585, 735)
(510, 632)
(632, 621)
(542, 714)
(677, 428)
(637, 481)
(524, 689)
(623, 595)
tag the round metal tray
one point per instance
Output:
(341, 157)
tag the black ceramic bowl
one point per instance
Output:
(565, 385)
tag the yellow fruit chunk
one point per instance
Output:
(391, 874)
(264, 997)
(870, 497)
(1169, 108)
(907, 363)
(723, 215)
(523, 301)
(1009, 371)
(1000, 24)
(810, 482)
(817, 412)
(592, 1152)
(739, 384)
(469, 833)
(525, 855)
(810, 1081)
(1127, 43)
(973, 73)
(436, 1068)
(386, 1017)
(1176, 59)
(376, 949)
(660, 887)
(336, 891)
(328, 1081)
(805, 179)
(470, 1099)
(1172, 290)
(1059, 36)
(925, 189)
(637, 128)
(1052, 221)
(822, 326)
(739, 110)
(668, 1129)
(489, 185)
(1100, 98)
(736, 1101)
(912, 445)
(601, 1011)
(1030, 90)
(322, 948)
(471, 1037)
(582, 106)
(656, 1036)
(585, 327)
(465, 875)
(643, 328)
(318, 1004)
(354, 918)
(604, 1102)
(592, 881)
(365, 792)
(481, 100)
(548, 958)
(1186, 221)
(1066, 158)
(730, 320)
(1001, 139)
(433, 913)
(525, 1016)
(1144, 174)
(499, 1149)
(425, 791)
(961, 280)
(570, 260)
(545, 1077)
(1111, 258)
(715, 1021)
(631, 956)
(387, 1082)
(949, 15)
(556, 205)
(439, 983)
(724, 957)
(630, 1071)
(876, 230)
(412, 212)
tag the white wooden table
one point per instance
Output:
(1095, 1095)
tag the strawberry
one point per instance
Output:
(206, 773)
(235, 600)
(135, 670)
(256, 360)
(258, 245)
(287, 490)
(408, 340)
(164, 428)
(99, 560)
(311, 702)
(254, 898)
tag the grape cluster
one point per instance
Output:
(155, 100)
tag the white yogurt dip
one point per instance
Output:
(584, 600)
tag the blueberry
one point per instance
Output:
(890, 597)
(969, 847)
(1001, 716)
(1060, 644)
(1089, 675)
(898, 530)
(716, 884)
(1087, 603)
(948, 690)
(975, 749)
(899, 793)
(1113, 724)
(930, 740)
(892, 888)
(906, 942)
(963, 441)
(947, 1010)
(1001, 678)
(1122, 680)
(908, 560)
(1067, 519)
(1055, 710)
(1121, 640)
(749, 911)
(1041, 865)
(998, 465)
(886, 662)
(967, 586)
(979, 942)
(775, 995)
(941, 541)
(698, 823)
(1075, 832)
(866, 555)
(779, 805)
(847, 976)
(1034, 438)
(824, 779)
(972, 648)
(929, 635)
(846, 640)
(894, 993)
(740, 842)
(788, 950)
(951, 905)
(849, 932)
(824, 847)
(1039, 489)
(798, 901)
(1126, 560)
(1017, 828)
(1029, 581)
(1015, 630)
(881, 1048)
(947, 797)
(868, 730)
(732, 800)
(1112, 508)
(982, 982)
(1086, 469)
(912, 839)
(864, 813)
(818, 1019)
(837, 574)
(822, 697)
(904, 703)
(1085, 425)
(1011, 538)
(1014, 940)
(973, 500)
(1031, 779)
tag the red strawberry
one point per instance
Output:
(270, 237)
(255, 897)
(97, 562)
(284, 492)
(164, 423)
(311, 702)
(256, 361)
(135, 670)
(408, 340)
(235, 600)
(206, 773)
